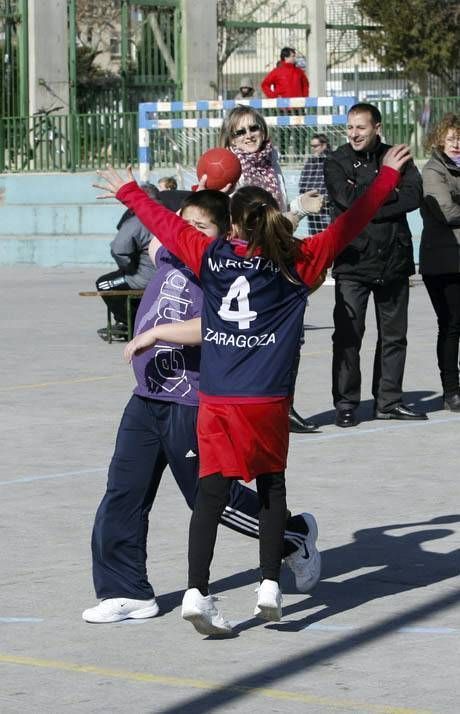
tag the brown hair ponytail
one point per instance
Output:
(256, 214)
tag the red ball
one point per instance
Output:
(221, 167)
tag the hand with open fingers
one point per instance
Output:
(113, 181)
(397, 156)
(139, 344)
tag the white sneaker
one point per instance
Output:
(268, 601)
(115, 609)
(305, 562)
(203, 614)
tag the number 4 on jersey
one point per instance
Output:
(239, 291)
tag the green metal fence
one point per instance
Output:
(79, 142)
(13, 58)
(142, 59)
(408, 120)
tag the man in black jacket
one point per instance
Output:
(379, 261)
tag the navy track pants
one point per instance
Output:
(153, 434)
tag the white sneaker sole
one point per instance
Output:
(312, 537)
(268, 607)
(269, 613)
(308, 585)
(142, 614)
(315, 555)
(202, 624)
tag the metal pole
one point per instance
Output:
(72, 10)
(124, 54)
(23, 58)
(8, 81)
(178, 53)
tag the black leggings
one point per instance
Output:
(213, 492)
(444, 292)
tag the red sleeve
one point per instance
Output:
(178, 236)
(319, 251)
(267, 82)
(305, 86)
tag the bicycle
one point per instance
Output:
(46, 145)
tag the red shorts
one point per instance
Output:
(243, 440)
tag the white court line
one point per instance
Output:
(314, 626)
(356, 431)
(27, 620)
(45, 477)
(311, 438)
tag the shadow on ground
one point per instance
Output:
(402, 563)
(426, 401)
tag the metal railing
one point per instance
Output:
(79, 142)
(408, 120)
(71, 142)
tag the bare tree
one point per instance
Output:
(97, 21)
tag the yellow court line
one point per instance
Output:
(183, 682)
(39, 385)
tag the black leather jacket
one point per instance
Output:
(383, 251)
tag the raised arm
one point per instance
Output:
(179, 237)
(319, 251)
(177, 333)
(406, 198)
(344, 192)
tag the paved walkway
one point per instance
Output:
(381, 632)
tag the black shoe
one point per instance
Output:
(297, 425)
(102, 332)
(345, 417)
(400, 411)
(452, 402)
(119, 332)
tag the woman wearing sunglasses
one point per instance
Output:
(245, 133)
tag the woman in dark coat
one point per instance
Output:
(440, 249)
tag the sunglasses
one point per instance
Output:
(249, 130)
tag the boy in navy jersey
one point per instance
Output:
(159, 428)
(255, 291)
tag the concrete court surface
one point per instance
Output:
(381, 632)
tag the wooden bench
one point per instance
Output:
(130, 295)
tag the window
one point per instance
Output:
(115, 47)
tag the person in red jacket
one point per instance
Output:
(287, 80)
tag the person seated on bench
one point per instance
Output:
(129, 249)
